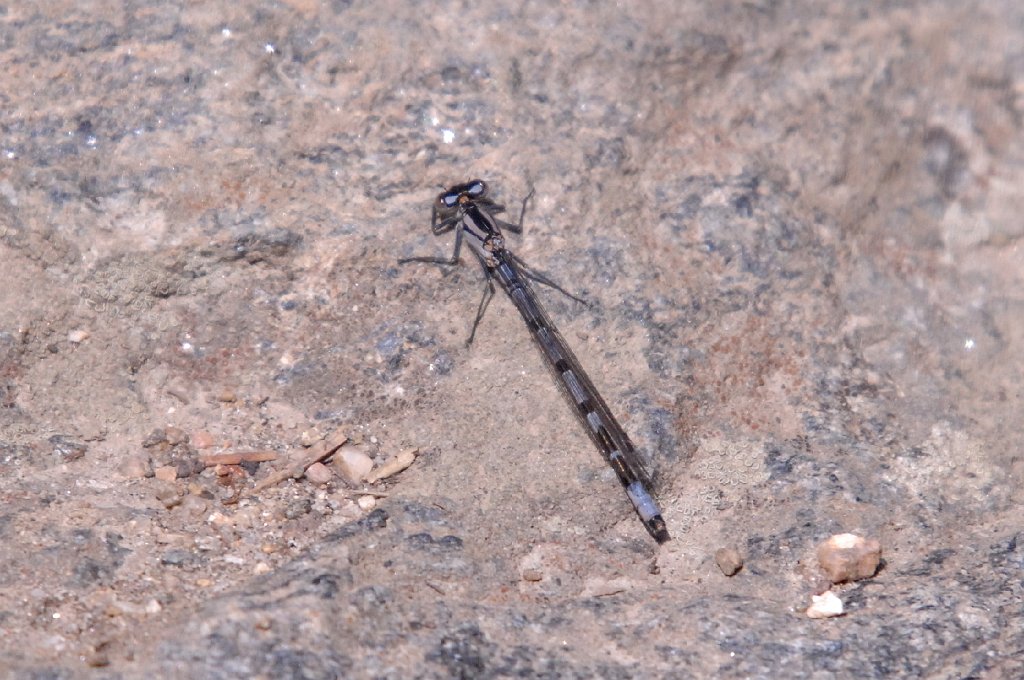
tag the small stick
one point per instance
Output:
(322, 449)
(360, 492)
(393, 466)
(213, 459)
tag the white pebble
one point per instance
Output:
(825, 606)
(353, 464)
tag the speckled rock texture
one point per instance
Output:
(797, 226)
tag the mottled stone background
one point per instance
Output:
(799, 228)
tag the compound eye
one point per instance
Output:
(476, 188)
(448, 199)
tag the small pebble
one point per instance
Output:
(97, 659)
(353, 464)
(825, 606)
(309, 437)
(350, 509)
(166, 473)
(194, 505)
(728, 560)
(176, 558)
(137, 466)
(318, 473)
(186, 467)
(154, 438)
(227, 397)
(179, 393)
(532, 575)
(171, 501)
(261, 568)
(175, 436)
(220, 519)
(366, 503)
(78, 336)
(848, 557)
(168, 495)
(202, 440)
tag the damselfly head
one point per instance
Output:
(461, 193)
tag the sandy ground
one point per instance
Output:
(799, 233)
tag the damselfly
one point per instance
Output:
(467, 209)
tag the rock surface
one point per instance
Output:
(797, 226)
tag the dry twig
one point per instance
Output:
(213, 459)
(316, 453)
